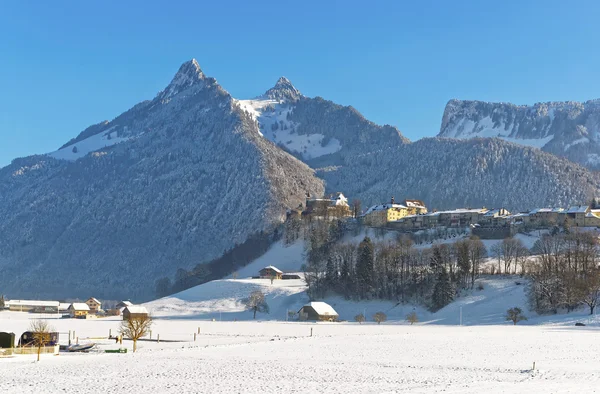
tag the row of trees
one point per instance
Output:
(394, 270)
(564, 274)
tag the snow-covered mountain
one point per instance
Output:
(177, 180)
(568, 129)
(314, 129)
(173, 182)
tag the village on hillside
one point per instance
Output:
(413, 215)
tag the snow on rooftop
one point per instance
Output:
(578, 209)
(546, 210)
(80, 306)
(322, 308)
(458, 211)
(384, 207)
(136, 309)
(31, 303)
(274, 269)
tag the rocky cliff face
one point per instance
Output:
(567, 129)
(173, 182)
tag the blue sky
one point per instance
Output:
(67, 65)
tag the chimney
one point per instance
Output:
(392, 200)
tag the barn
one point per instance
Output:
(134, 311)
(270, 272)
(319, 311)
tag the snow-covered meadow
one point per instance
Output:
(210, 344)
(280, 357)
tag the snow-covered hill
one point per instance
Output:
(223, 299)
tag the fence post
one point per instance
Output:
(77, 343)
(157, 338)
(69, 337)
(150, 334)
(194, 337)
(198, 330)
(311, 331)
(110, 332)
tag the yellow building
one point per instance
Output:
(380, 215)
(592, 218)
(78, 309)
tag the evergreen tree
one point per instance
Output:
(331, 274)
(443, 293)
(365, 266)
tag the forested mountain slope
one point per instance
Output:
(170, 183)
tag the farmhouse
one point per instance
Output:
(134, 311)
(94, 305)
(79, 309)
(320, 311)
(123, 304)
(270, 272)
(33, 306)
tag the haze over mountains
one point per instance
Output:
(179, 179)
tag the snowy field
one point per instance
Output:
(280, 357)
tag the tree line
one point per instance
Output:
(564, 274)
(394, 270)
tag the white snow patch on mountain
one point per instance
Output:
(576, 142)
(271, 116)
(485, 128)
(91, 144)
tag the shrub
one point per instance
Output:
(380, 317)
(515, 315)
(412, 318)
(360, 318)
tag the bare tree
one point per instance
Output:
(41, 331)
(515, 315)
(379, 317)
(136, 327)
(412, 318)
(256, 303)
(589, 288)
(360, 318)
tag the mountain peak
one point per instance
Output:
(189, 74)
(283, 90)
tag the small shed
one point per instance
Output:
(7, 340)
(270, 272)
(79, 309)
(28, 338)
(319, 311)
(134, 311)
